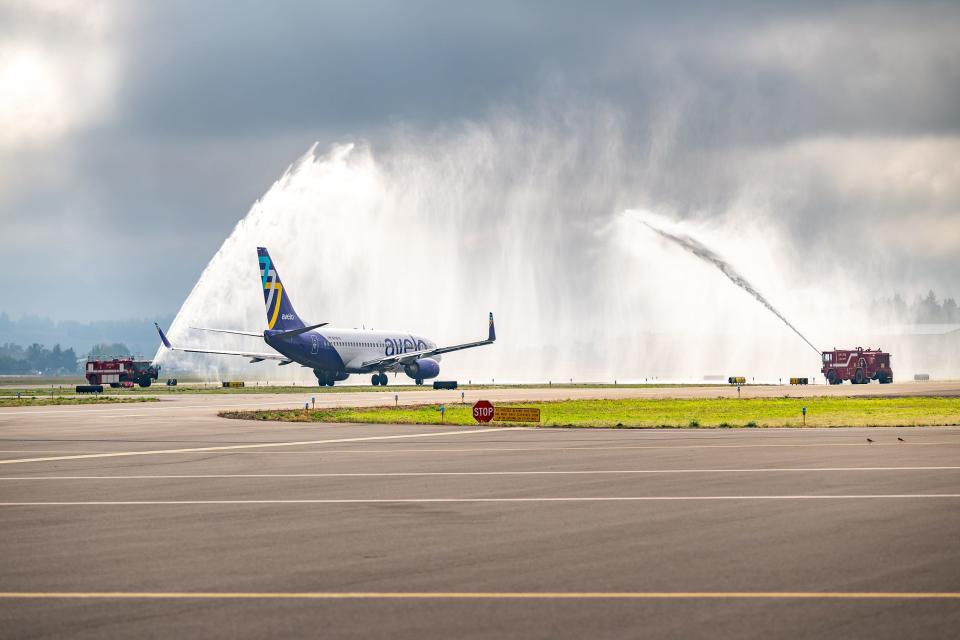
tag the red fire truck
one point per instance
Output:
(859, 366)
(121, 372)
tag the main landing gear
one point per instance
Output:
(324, 379)
(379, 379)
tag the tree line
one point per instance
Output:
(923, 309)
(34, 359)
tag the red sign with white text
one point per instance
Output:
(483, 411)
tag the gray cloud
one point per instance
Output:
(748, 106)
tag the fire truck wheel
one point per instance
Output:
(114, 385)
(145, 383)
(858, 378)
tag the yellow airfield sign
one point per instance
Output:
(516, 414)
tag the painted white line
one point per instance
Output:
(569, 449)
(337, 501)
(480, 595)
(234, 447)
(417, 474)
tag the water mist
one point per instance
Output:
(432, 232)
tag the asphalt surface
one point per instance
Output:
(161, 519)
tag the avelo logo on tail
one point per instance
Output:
(280, 313)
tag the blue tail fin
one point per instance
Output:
(280, 313)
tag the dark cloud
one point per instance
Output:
(210, 101)
(746, 72)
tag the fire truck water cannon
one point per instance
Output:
(859, 366)
(121, 372)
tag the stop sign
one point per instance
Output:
(483, 411)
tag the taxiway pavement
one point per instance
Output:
(160, 519)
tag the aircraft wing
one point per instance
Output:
(255, 357)
(412, 356)
(233, 331)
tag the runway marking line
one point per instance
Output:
(235, 449)
(259, 445)
(482, 595)
(623, 448)
(402, 474)
(336, 501)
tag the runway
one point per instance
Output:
(160, 519)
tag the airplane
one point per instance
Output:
(333, 353)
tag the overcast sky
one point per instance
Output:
(134, 135)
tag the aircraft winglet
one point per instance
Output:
(163, 338)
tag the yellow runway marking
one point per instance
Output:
(482, 595)
(234, 447)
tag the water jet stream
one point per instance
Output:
(707, 255)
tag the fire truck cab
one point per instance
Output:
(859, 366)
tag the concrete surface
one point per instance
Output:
(162, 520)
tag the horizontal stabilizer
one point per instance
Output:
(286, 335)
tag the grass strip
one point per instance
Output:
(822, 411)
(43, 401)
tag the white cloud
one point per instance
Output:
(57, 70)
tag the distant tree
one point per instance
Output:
(898, 306)
(12, 350)
(951, 313)
(14, 359)
(930, 308)
(62, 361)
(71, 363)
(37, 357)
(13, 366)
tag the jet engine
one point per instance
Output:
(422, 369)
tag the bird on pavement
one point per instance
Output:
(900, 439)
(869, 440)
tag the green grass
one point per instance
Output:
(674, 413)
(42, 401)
